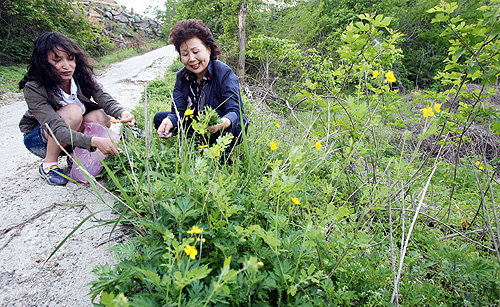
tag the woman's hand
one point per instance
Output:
(105, 145)
(127, 117)
(165, 127)
(226, 122)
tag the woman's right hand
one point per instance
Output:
(164, 128)
(105, 145)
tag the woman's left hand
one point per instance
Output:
(225, 123)
(127, 117)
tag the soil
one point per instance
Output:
(35, 217)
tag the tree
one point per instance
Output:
(25, 20)
(240, 69)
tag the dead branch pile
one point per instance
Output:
(269, 97)
(476, 140)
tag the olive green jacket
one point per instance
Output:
(43, 104)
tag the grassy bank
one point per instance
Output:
(340, 214)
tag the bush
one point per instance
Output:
(25, 20)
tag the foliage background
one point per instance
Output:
(346, 192)
(369, 175)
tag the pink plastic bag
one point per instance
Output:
(91, 161)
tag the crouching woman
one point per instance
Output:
(58, 89)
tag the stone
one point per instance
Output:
(109, 15)
(121, 18)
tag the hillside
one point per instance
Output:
(125, 28)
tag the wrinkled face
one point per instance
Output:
(195, 56)
(63, 64)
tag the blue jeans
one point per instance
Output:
(36, 143)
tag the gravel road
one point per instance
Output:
(35, 217)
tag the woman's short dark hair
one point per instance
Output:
(41, 70)
(189, 28)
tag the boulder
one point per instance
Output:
(121, 18)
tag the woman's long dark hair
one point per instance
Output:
(189, 28)
(41, 70)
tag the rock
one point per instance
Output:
(142, 25)
(126, 14)
(109, 15)
(121, 18)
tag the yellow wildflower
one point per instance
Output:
(277, 125)
(428, 112)
(195, 230)
(318, 145)
(437, 107)
(478, 162)
(376, 73)
(481, 167)
(188, 112)
(295, 200)
(191, 251)
(390, 77)
(273, 145)
(260, 264)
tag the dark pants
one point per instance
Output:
(234, 129)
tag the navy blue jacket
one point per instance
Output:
(223, 93)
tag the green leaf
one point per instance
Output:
(107, 298)
(348, 37)
(450, 7)
(435, 9)
(381, 21)
(151, 276)
(226, 290)
(342, 212)
(442, 17)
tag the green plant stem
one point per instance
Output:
(457, 156)
(148, 137)
(494, 238)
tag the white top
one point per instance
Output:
(71, 98)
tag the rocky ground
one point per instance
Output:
(35, 217)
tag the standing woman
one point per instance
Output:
(204, 81)
(58, 88)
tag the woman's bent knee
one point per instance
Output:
(98, 116)
(72, 114)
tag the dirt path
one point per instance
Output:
(35, 217)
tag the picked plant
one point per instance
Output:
(204, 120)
